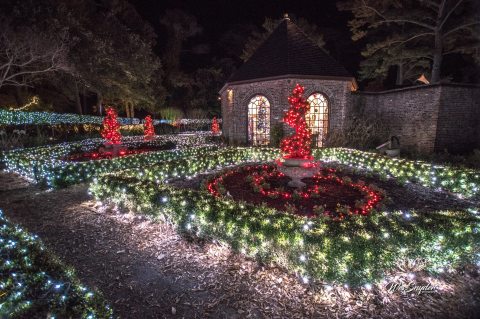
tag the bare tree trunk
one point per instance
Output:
(438, 50)
(99, 103)
(399, 80)
(77, 98)
(437, 58)
(127, 109)
(18, 96)
(84, 101)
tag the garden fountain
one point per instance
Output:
(297, 161)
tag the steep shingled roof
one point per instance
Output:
(288, 51)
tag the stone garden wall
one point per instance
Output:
(426, 118)
(458, 128)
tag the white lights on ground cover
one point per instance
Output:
(21, 278)
(195, 164)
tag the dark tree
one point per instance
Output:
(413, 35)
(25, 59)
(180, 27)
(108, 48)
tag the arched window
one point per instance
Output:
(317, 117)
(259, 120)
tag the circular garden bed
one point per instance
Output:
(337, 229)
(324, 194)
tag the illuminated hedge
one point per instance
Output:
(34, 283)
(50, 118)
(204, 160)
(45, 164)
(355, 251)
(462, 181)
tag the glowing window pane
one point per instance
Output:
(259, 120)
(317, 117)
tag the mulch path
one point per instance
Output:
(146, 270)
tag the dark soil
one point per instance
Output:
(332, 193)
(106, 153)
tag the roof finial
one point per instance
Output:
(285, 16)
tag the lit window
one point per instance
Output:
(259, 120)
(317, 118)
(230, 97)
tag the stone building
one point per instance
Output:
(255, 97)
(426, 118)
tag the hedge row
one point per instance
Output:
(462, 181)
(47, 164)
(34, 283)
(51, 118)
(358, 250)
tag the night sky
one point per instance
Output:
(218, 16)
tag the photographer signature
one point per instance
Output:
(410, 287)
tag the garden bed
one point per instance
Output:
(462, 181)
(103, 152)
(324, 194)
(34, 283)
(48, 165)
(145, 269)
(358, 250)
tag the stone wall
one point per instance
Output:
(234, 115)
(426, 118)
(458, 127)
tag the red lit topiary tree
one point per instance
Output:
(215, 126)
(148, 131)
(111, 127)
(297, 146)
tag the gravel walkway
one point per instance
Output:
(145, 270)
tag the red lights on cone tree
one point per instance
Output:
(299, 144)
(111, 127)
(215, 126)
(148, 130)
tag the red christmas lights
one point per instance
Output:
(261, 174)
(148, 130)
(103, 154)
(299, 144)
(111, 127)
(215, 126)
